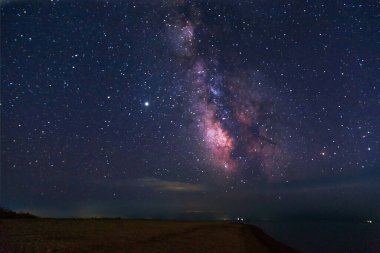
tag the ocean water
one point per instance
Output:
(326, 237)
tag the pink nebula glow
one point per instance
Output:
(218, 141)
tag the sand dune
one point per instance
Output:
(108, 235)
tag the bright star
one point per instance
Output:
(146, 103)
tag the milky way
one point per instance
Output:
(151, 107)
(236, 121)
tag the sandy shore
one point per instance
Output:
(112, 235)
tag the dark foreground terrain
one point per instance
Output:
(113, 235)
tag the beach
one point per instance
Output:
(119, 235)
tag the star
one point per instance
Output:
(239, 105)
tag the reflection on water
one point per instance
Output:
(328, 237)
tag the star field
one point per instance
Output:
(121, 107)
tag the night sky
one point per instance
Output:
(208, 109)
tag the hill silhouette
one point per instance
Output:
(9, 214)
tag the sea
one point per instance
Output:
(325, 237)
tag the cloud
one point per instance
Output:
(171, 186)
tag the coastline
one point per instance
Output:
(119, 235)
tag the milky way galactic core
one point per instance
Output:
(174, 105)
